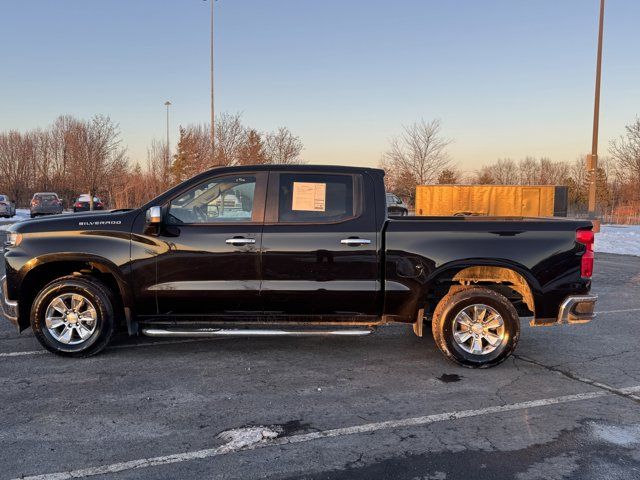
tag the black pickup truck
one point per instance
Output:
(293, 250)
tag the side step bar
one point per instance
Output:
(238, 332)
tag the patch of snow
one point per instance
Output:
(621, 239)
(624, 436)
(21, 214)
(239, 438)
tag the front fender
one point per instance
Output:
(97, 262)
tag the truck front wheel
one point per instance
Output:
(73, 316)
(476, 327)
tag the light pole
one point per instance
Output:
(592, 160)
(212, 138)
(167, 104)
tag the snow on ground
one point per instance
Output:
(21, 214)
(622, 239)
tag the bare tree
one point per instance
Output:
(101, 153)
(16, 166)
(158, 168)
(625, 151)
(419, 154)
(505, 172)
(282, 147)
(230, 135)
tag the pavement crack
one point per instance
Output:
(572, 376)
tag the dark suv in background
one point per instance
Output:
(395, 205)
(82, 204)
(45, 203)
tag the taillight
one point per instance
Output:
(34, 203)
(77, 204)
(586, 238)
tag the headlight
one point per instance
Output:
(13, 239)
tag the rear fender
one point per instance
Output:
(483, 271)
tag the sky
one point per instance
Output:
(507, 78)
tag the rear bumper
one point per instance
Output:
(46, 210)
(573, 309)
(8, 308)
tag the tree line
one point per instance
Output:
(70, 157)
(418, 156)
(235, 144)
(74, 156)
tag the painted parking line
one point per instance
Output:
(20, 354)
(116, 347)
(230, 447)
(620, 311)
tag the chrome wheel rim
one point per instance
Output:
(71, 318)
(478, 329)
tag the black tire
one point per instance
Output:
(33, 216)
(443, 326)
(101, 298)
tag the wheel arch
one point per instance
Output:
(515, 282)
(42, 270)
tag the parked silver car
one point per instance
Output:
(45, 203)
(7, 207)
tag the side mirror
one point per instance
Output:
(154, 215)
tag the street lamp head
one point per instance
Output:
(167, 103)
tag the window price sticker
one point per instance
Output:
(309, 197)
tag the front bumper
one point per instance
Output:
(8, 308)
(573, 309)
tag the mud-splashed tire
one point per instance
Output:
(446, 321)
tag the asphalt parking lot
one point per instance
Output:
(384, 406)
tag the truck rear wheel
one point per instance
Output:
(73, 316)
(476, 327)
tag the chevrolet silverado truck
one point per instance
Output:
(293, 250)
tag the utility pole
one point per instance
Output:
(592, 160)
(168, 150)
(213, 115)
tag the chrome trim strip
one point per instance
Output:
(344, 286)
(207, 285)
(236, 332)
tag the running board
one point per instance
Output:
(238, 332)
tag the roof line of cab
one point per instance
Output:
(268, 167)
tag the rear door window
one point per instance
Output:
(316, 198)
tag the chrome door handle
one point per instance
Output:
(355, 241)
(240, 241)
